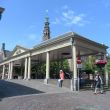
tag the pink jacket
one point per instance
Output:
(62, 75)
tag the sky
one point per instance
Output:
(22, 22)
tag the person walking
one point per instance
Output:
(61, 75)
(98, 84)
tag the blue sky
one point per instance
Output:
(22, 22)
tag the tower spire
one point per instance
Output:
(46, 31)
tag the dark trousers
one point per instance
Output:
(60, 83)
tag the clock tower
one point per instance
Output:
(46, 31)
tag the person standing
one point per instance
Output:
(98, 84)
(61, 75)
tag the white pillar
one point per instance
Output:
(3, 73)
(74, 79)
(47, 68)
(106, 72)
(25, 70)
(106, 75)
(11, 70)
(29, 68)
(47, 65)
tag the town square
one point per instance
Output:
(54, 55)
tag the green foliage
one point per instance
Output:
(108, 66)
(55, 66)
(39, 70)
(89, 64)
(1, 69)
(65, 65)
(19, 70)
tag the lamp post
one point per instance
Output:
(1, 11)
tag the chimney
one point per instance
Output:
(1, 11)
(3, 46)
(3, 50)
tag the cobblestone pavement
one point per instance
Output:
(57, 101)
(84, 100)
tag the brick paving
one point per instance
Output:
(59, 99)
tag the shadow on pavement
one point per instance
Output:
(9, 89)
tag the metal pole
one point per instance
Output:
(78, 80)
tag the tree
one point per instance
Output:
(108, 66)
(89, 64)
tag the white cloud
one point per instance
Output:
(32, 36)
(69, 17)
(65, 7)
(32, 26)
(106, 3)
(56, 21)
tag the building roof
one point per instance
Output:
(18, 47)
(7, 54)
(70, 36)
(67, 36)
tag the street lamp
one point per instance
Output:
(1, 11)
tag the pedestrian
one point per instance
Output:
(61, 78)
(98, 84)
